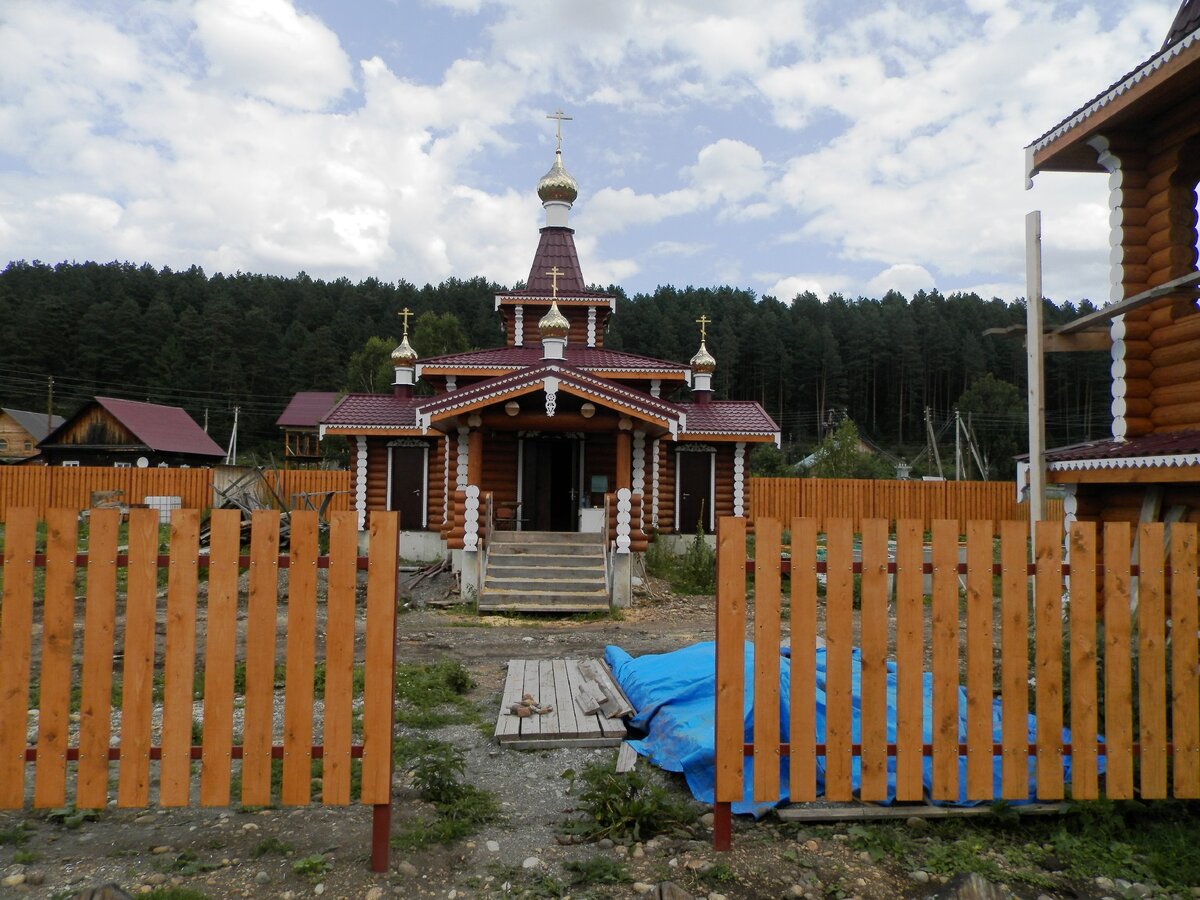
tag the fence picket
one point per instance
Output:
(380, 658)
(301, 657)
(1118, 679)
(802, 773)
(766, 661)
(1151, 662)
(180, 661)
(944, 635)
(1185, 662)
(95, 723)
(874, 628)
(1014, 659)
(1048, 637)
(339, 656)
(910, 642)
(16, 628)
(137, 665)
(260, 658)
(219, 647)
(1084, 752)
(54, 677)
(839, 640)
(980, 644)
(730, 663)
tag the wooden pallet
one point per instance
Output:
(553, 682)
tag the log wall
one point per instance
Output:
(500, 467)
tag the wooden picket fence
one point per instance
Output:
(829, 498)
(1147, 736)
(73, 764)
(43, 488)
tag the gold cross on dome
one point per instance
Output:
(404, 314)
(704, 322)
(558, 114)
(554, 272)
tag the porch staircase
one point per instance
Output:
(544, 571)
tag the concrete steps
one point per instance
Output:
(544, 571)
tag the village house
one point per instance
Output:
(1144, 133)
(300, 421)
(128, 433)
(20, 431)
(550, 435)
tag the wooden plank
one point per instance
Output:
(95, 704)
(767, 711)
(1118, 678)
(556, 742)
(1152, 663)
(137, 668)
(626, 758)
(54, 677)
(730, 661)
(980, 645)
(514, 683)
(568, 714)
(910, 643)
(260, 658)
(802, 771)
(609, 727)
(1084, 751)
(944, 634)
(587, 726)
(1185, 662)
(219, 644)
(839, 640)
(1048, 638)
(179, 665)
(300, 659)
(381, 658)
(339, 656)
(548, 697)
(1014, 660)
(531, 725)
(874, 628)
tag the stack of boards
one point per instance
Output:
(589, 707)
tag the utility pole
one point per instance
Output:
(957, 446)
(231, 453)
(49, 403)
(1035, 366)
(932, 441)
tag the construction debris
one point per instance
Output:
(600, 693)
(529, 707)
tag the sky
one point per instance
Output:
(774, 145)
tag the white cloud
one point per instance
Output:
(906, 278)
(787, 287)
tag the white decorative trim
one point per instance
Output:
(639, 471)
(656, 387)
(624, 517)
(550, 384)
(1146, 69)
(360, 483)
(420, 445)
(471, 518)
(451, 383)
(1070, 504)
(446, 481)
(519, 326)
(591, 326)
(655, 454)
(460, 482)
(1116, 278)
(739, 478)
(1126, 462)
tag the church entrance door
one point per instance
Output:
(695, 491)
(550, 484)
(407, 483)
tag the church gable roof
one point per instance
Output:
(589, 359)
(733, 418)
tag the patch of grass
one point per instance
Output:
(597, 870)
(25, 857)
(526, 882)
(627, 806)
(186, 862)
(695, 572)
(718, 874)
(433, 695)
(881, 841)
(16, 836)
(312, 866)
(176, 893)
(270, 845)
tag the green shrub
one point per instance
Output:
(628, 805)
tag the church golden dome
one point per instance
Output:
(703, 361)
(553, 323)
(404, 355)
(557, 184)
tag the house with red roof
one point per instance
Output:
(129, 433)
(557, 444)
(300, 421)
(1143, 132)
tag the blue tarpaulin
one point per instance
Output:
(674, 695)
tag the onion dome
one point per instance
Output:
(703, 361)
(554, 324)
(404, 355)
(557, 184)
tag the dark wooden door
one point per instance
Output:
(695, 492)
(408, 486)
(549, 484)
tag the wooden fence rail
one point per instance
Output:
(1148, 708)
(200, 687)
(71, 487)
(826, 498)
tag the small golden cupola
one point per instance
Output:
(553, 327)
(703, 365)
(557, 189)
(404, 359)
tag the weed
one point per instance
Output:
(423, 694)
(881, 841)
(718, 874)
(313, 866)
(25, 857)
(175, 893)
(435, 768)
(188, 863)
(70, 817)
(270, 845)
(630, 805)
(17, 836)
(597, 870)
(514, 879)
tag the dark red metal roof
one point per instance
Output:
(306, 409)
(729, 417)
(374, 411)
(556, 247)
(1186, 21)
(168, 429)
(587, 358)
(1172, 443)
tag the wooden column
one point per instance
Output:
(624, 460)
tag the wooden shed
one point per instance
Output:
(20, 432)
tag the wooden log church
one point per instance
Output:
(553, 446)
(1144, 133)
